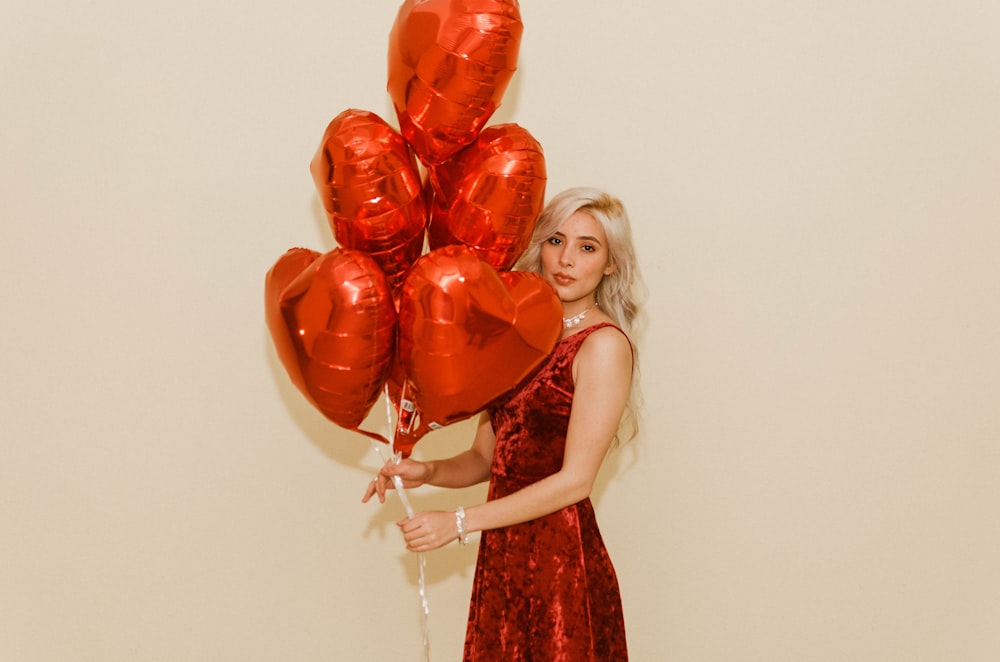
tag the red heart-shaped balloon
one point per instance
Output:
(370, 186)
(489, 196)
(450, 62)
(334, 325)
(468, 334)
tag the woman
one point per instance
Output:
(544, 587)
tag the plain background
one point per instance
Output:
(814, 190)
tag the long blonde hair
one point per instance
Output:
(617, 294)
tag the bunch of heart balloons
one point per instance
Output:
(442, 331)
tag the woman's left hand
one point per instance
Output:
(428, 530)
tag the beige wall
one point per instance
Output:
(815, 192)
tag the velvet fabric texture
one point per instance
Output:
(544, 590)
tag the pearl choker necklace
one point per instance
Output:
(570, 322)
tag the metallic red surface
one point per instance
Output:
(489, 196)
(370, 186)
(334, 326)
(468, 334)
(450, 62)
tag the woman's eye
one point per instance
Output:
(555, 241)
(588, 248)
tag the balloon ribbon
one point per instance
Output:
(401, 491)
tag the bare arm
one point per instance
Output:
(467, 468)
(603, 376)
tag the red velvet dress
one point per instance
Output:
(544, 590)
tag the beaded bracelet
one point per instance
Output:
(463, 537)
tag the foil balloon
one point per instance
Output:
(334, 325)
(489, 196)
(370, 186)
(450, 62)
(467, 335)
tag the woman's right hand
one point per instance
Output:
(413, 473)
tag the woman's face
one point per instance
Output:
(575, 258)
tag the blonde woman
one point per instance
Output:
(545, 587)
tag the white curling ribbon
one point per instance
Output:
(397, 482)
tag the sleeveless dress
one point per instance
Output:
(544, 590)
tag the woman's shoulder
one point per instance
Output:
(604, 357)
(606, 341)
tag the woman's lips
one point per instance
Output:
(562, 279)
